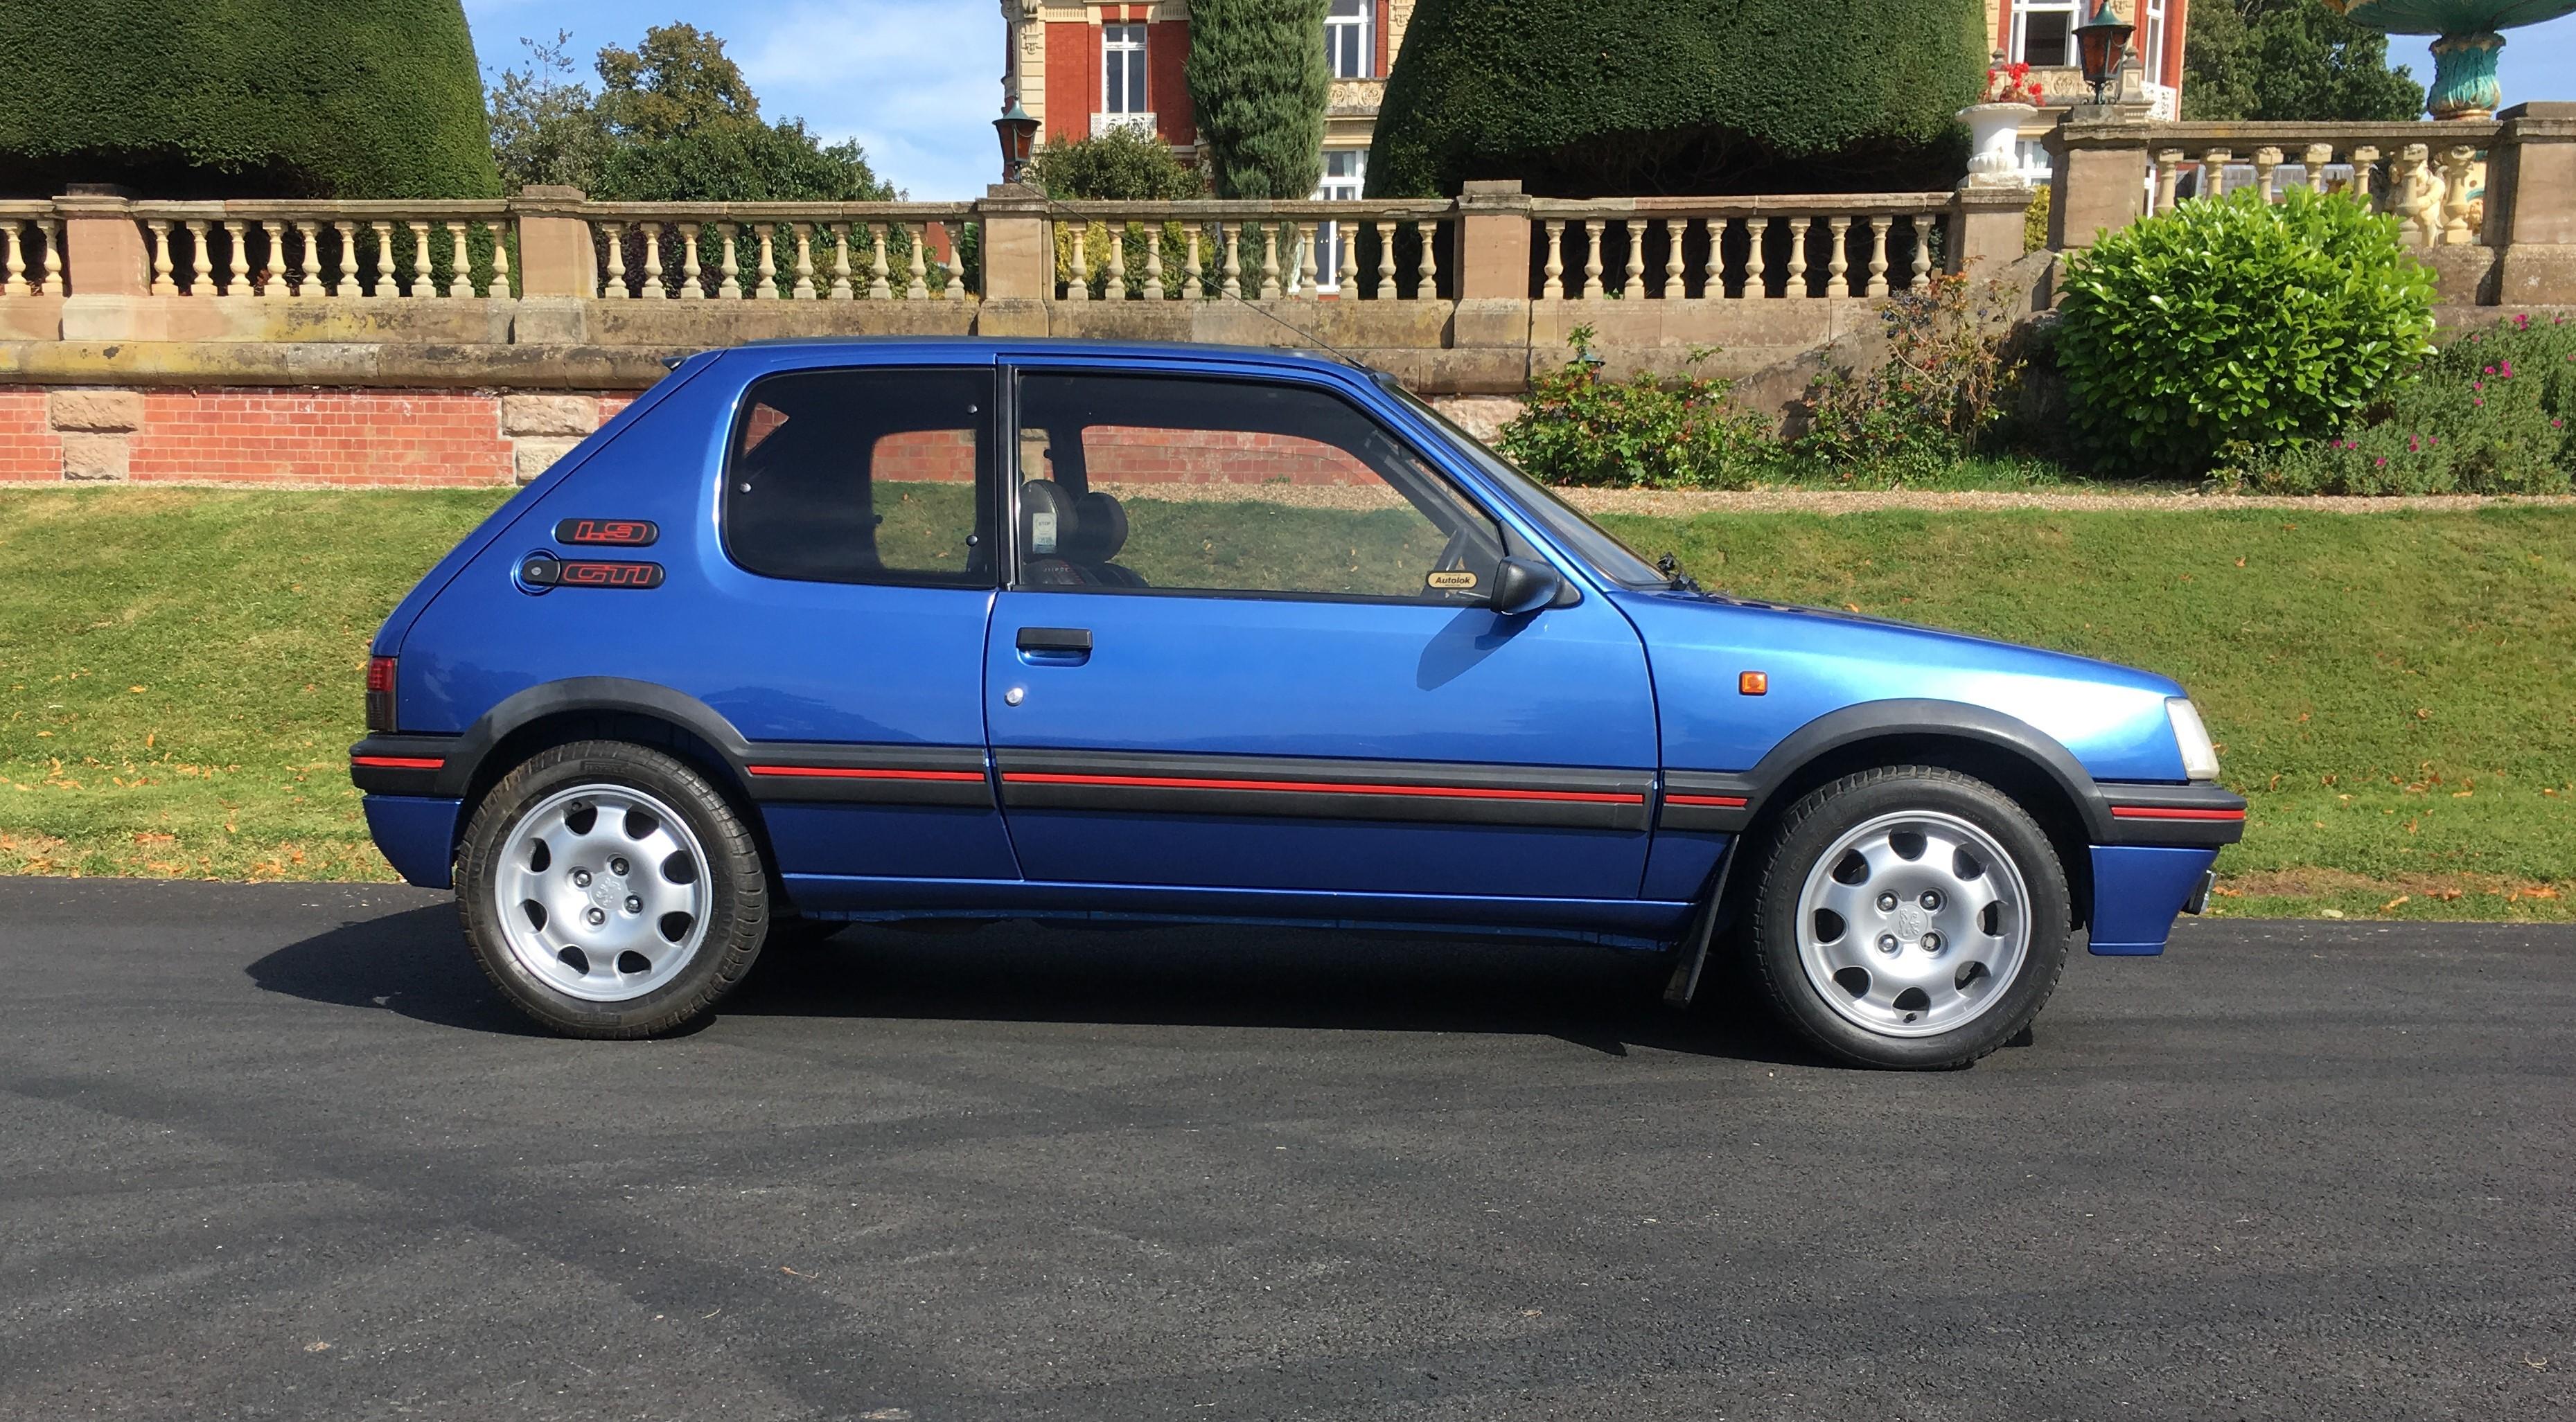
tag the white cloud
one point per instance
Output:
(916, 82)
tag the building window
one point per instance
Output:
(2044, 32)
(2152, 35)
(1345, 177)
(1347, 42)
(1122, 69)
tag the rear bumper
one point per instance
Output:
(417, 835)
(2137, 891)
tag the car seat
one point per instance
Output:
(1099, 531)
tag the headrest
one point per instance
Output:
(1047, 519)
(1099, 530)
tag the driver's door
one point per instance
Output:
(1246, 647)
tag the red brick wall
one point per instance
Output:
(1072, 73)
(1167, 85)
(329, 437)
(29, 448)
(1117, 454)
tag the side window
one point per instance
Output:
(1234, 487)
(864, 476)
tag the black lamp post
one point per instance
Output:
(2101, 43)
(1018, 133)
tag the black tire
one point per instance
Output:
(737, 904)
(1812, 827)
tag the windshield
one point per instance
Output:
(1588, 540)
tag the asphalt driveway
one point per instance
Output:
(279, 1152)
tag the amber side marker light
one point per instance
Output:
(1753, 683)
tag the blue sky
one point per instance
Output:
(917, 82)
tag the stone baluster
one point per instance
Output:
(1713, 276)
(1269, 259)
(1154, 264)
(1426, 281)
(652, 289)
(460, 264)
(880, 289)
(2313, 159)
(13, 261)
(309, 283)
(614, 235)
(1673, 230)
(2168, 177)
(1232, 233)
(52, 233)
(2365, 177)
(238, 284)
(728, 264)
(2213, 171)
(956, 266)
(1757, 284)
(1307, 267)
(1077, 287)
(692, 275)
(2457, 229)
(919, 287)
(380, 279)
(1554, 288)
(2407, 182)
(1877, 286)
(1800, 229)
(1633, 283)
(500, 260)
(348, 283)
(1385, 290)
(1591, 290)
(159, 231)
(1113, 286)
(201, 260)
(1193, 274)
(1923, 226)
(765, 271)
(842, 239)
(1838, 265)
(2267, 163)
(804, 260)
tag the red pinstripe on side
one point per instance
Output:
(1723, 802)
(2162, 812)
(398, 762)
(1323, 787)
(854, 772)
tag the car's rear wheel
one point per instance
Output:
(609, 891)
(1909, 917)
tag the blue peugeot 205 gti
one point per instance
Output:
(814, 633)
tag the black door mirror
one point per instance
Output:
(1523, 585)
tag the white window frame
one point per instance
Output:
(1336, 187)
(2023, 10)
(2151, 31)
(1364, 65)
(1122, 58)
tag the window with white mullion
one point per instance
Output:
(2044, 32)
(2153, 33)
(1348, 44)
(1122, 69)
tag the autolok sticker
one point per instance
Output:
(1451, 580)
(609, 532)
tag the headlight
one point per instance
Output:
(2199, 757)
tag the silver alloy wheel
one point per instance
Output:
(602, 892)
(1913, 924)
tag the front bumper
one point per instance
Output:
(2178, 816)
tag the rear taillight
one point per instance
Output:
(380, 693)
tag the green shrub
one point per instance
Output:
(2492, 413)
(1641, 433)
(1927, 405)
(1122, 165)
(1259, 82)
(1586, 98)
(2235, 325)
(243, 98)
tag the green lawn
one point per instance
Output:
(2395, 691)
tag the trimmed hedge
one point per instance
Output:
(243, 98)
(1586, 98)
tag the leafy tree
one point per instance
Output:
(1121, 165)
(673, 121)
(1259, 79)
(1590, 98)
(2291, 60)
(242, 98)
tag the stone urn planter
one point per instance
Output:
(1994, 131)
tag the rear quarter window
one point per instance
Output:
(864, 476)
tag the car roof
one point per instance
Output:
(1060, 346)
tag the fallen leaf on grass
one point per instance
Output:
(2394, 903)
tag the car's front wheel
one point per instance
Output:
(609, 891)
(1909, 917)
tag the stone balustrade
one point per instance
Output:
(777, 251)
(1212, 251)
(345, 249)
(31, 250)
(2431, 176)
(1703, 249)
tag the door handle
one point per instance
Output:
(1055, 639)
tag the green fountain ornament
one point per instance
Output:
(2464, 50)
